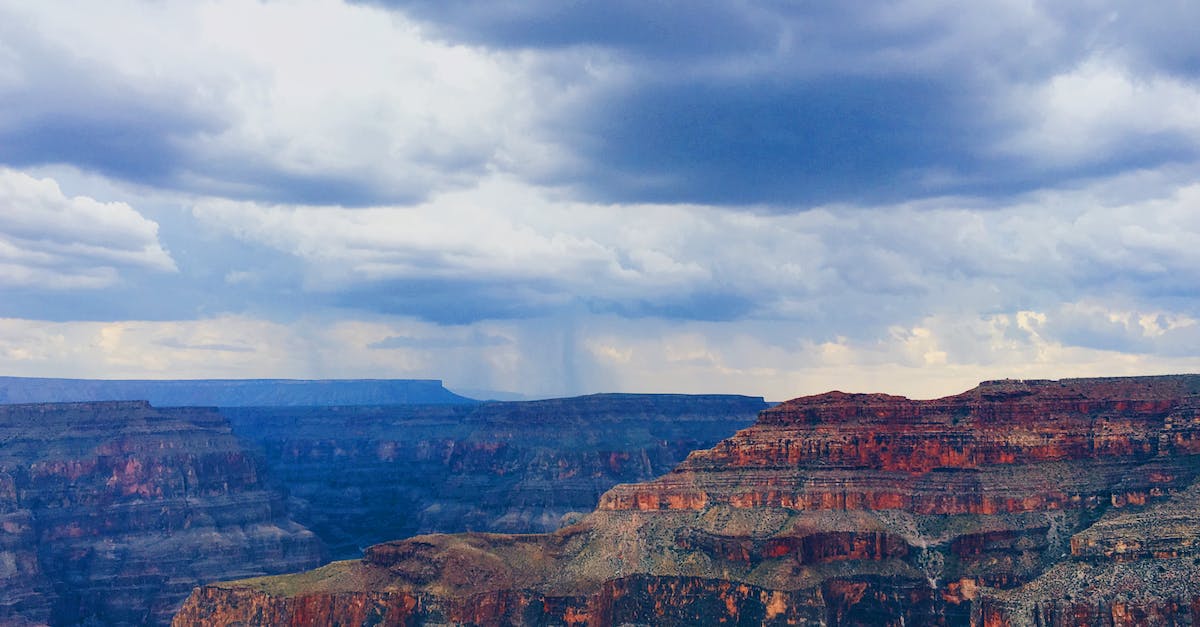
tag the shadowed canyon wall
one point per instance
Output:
(110, 512)
(1067, 502)
(362, 475)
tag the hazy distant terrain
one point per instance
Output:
(362, 475)
(231, 392)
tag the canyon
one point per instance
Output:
(1069, 502)
(358, 476)
(111, 512)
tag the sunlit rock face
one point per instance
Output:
(1015, 503)
(111, 512)
(358, 476)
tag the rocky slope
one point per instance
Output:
(1015, 503)
(362, 475)
(230, 392)
(111, 512)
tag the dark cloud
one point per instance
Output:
(74, 110)
(654, 27)
(793, 104)
(856, 140)
(130, 144)
(710, 304)
(737, 103)
(465, 301)
(748, 142)
(446, 302)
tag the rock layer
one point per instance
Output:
(362, 475)
(111, 512)
(839, 509)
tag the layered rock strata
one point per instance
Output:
(362, 475)
(111, 512)
(1134, 566)
(1016, 503)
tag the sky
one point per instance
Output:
(559, 197)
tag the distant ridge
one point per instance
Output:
(232, 392)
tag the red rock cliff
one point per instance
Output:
(110, 512)
(838, 509)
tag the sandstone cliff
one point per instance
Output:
(1015, 503)
(362, 475)
(111, 512)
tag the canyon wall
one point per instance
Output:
(1016, 503)
(111, 512)
(362, 475)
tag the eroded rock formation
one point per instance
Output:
(362, 475)
(1015, 503)
(111, 512)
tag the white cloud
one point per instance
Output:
(842, 270)
(1100, 109)
(50, 240)
(498, 232)
(316, 93)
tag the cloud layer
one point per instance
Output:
(747, 103)
(846, 270)
(552, 197)
(330, 103)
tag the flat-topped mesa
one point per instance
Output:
(992, 403)
(230, 392)
(995, 403)
(991, 449)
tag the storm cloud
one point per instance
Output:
(547, 197)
